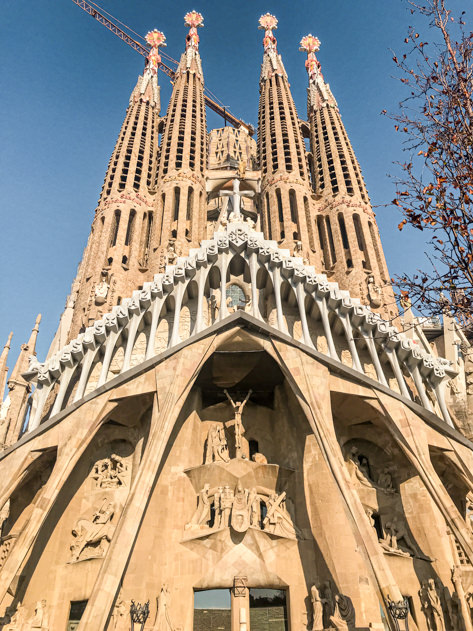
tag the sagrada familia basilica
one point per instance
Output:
(235, 428)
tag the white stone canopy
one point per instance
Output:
(280, 291)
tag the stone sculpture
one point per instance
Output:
(278, 520)
(93, 533)
(239, 429)
(201, 516)
(254, 505)
(163, 621)
(344, 614)
(217, 448)
(120, 615)
(240, 521)
(101, 289)
(40, 620)
(385, 481)
(14, 618)
(432, 606)
(317, 603)
(110, 473)
(4, 515)
(469, 510)
(226, 503)
(374, 292)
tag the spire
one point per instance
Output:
(335, 167)
(183, 155)
(286, 190)
(272, 61)
(26, 350)
(117, 257)
(3, 366)
(346, 225)
(13, 413)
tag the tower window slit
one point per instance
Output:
(116, 225)
(177, 197)
(129, 228)
(293, 205)
(331, 243)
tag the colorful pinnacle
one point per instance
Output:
(155, 39)
(268, 22)
(310, 44)
(193, 20)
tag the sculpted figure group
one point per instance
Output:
(336, 612)
(16, 618)
(241, 509)
(110, 473)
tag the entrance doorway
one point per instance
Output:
(268, 610)
(212, 610)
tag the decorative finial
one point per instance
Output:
(310, 44)
(268, 23)
(155, 39)
(193, 20)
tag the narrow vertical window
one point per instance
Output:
(130, 226)
(361, 241)
(177, 198)
(280, 214)
(115, 227)
(268, 217)
(331, 243)
(190, 202)
(293, 206)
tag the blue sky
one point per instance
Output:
(65, 85)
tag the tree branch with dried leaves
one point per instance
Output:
(435, 189)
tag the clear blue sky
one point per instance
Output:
(65, 85)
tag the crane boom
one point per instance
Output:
(144, 50)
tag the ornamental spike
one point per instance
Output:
(155, 39)
(269, 23)
(193, 20)
(310, 44)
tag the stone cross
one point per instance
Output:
(236, 196)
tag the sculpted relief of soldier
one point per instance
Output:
(92, 535)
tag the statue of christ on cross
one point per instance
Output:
(239, 429)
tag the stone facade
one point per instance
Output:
(223, 436)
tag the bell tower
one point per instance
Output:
(119, 253)
(183, 154)
(285, 183)
(346, 224)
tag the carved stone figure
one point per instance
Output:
(14, 618)
(217, 448)
(374, 292)
(110, 473)
(93, 532)
(4, 515)
(278, 520)
(120, 615)
(226, 503)
(385, 480)
(259, 458)
(240, 510)
(101, 289)
(361, 467)
(317, 603)
(254, 504)
(432, 606)
(217, 507)
(40, 620)
(163, 621)
(469, 511)
(202, 514)
(396, 533)
(344, 614)
(171, 253)
(239, 429)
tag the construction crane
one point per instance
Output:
(144, 50)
